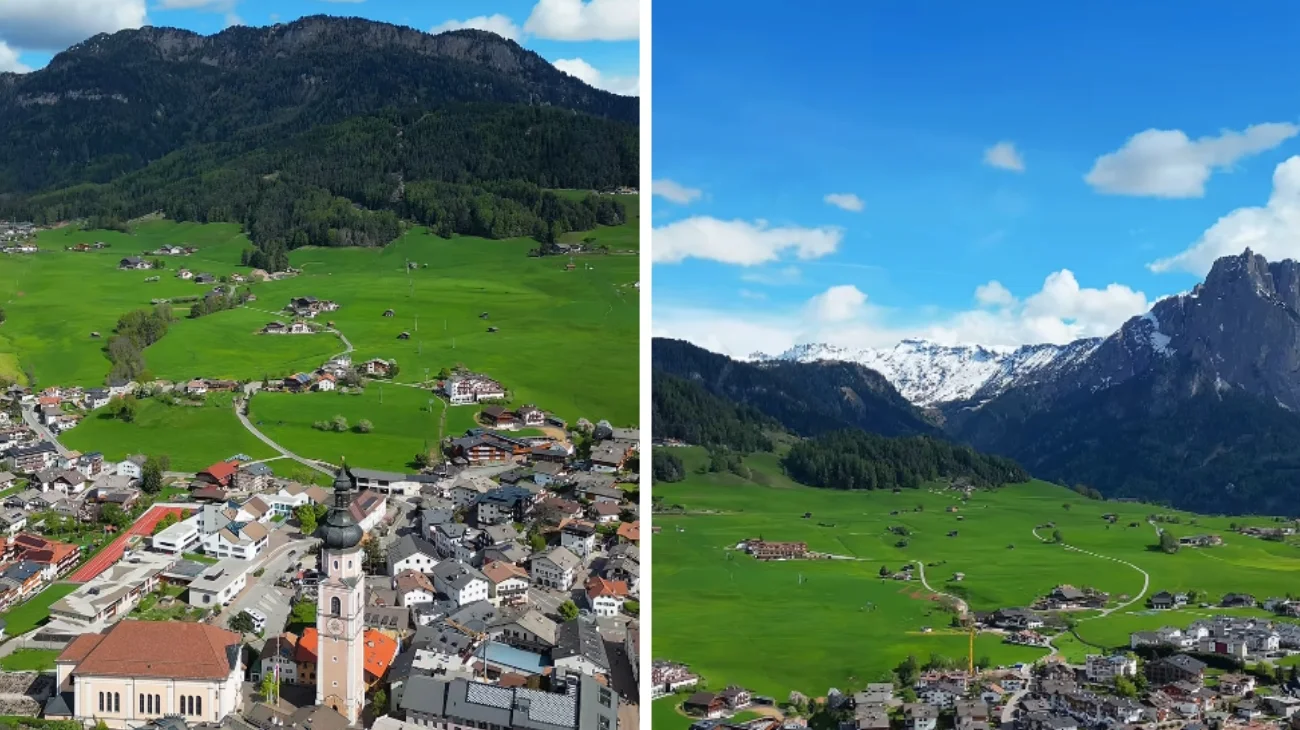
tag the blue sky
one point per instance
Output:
(1002, 173)
(595, 40)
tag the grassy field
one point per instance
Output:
(193, 436)
(566, 340)
(403, 424)
(27, 616)
(843, 626)
(30, 660)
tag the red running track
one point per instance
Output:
(114, 550)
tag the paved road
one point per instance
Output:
(1009, 709)
(34, 422)
(283, 451)
(264, 595)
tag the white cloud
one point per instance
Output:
(739, 242)
(1272, 230)
(576, 20)
(1165, 163)
(751, 294)
(838, 304)
(496, 23)
(1004, 156)
(993, 294)
(9, 60)
(1061, 311)
(52, 25)
(675, 192)
(590, 75)
(846, 201)
(784, 276)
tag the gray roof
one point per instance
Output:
(377, 475)
(457, 575)
(258, 470)
(562, 557)
(533, 621)
(409, 545)
(436, 516)
(476, 703)
(579, 637)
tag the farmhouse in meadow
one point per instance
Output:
(131, 263)
(466, 388)
(765, 550)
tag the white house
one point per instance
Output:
(555, 568)
(413, 588)
(509, 583)
(469, 487)
(131, 467)
(325, 383)
(277, 659)
(606, 597)
(412, 553)
(455, 540)
(461, 583)
(1104, 669)
(181, 537)
(220, 583)
(236, 540)
(579, 538)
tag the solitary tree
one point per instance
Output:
(270, 687)
(1057, 537)
(365, 426)
(1168, 542)
(306, 515)
(242, 623)
(568, 610)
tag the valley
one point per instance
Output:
(813, 624)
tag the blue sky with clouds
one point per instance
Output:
(999, 173)
(595, 40)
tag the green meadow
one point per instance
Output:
(811, 625)
(193, 436)
(403, 424)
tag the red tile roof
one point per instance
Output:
(630, 531)
(221, 471)
(380, 649)
(155, 649)
(601, 587)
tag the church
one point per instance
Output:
(340, 607)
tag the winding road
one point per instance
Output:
(1146, 578)
(283, 451)
(961, 605)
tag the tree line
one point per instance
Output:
(135, 331)
(683, 409)
(860, 460)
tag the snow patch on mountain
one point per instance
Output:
(927, 373)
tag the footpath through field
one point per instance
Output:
(114, 550)
(961, 605)
(1146, 578)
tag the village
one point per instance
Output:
(510, 562)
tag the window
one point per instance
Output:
(198, 705)
(349, 565)
(336, 606)
(101, 701)
(117, 702)
(141, 704)
(336, 565)
(157, 704)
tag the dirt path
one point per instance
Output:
(1146, 578)
(961, 605)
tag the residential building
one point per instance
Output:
(579, 538)
(508, 583)
(253, 477)
(467, 388)
(583, 704)
(1175, 668)
(459, 582)
(1104, 669)
(579, 647)
(605, 597)
(219, 584)
(132, 467)
(530, 630)
(555, 568)
(413, 588)
(412, 553)
(369, 509)
(504, 504)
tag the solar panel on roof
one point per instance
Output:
(490, 695)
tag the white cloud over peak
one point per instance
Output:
(1004, 156)
(9, 60)
(52, 25)
(675, 192)
(846, 201)
(838, 304)
(593, 20)
(1061, 311)
(495, 23)
(739, 242)
(580, 69)
(1272, 229)
(994, 294)
(1166, 163)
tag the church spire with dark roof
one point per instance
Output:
(339, 530)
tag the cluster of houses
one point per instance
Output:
(331, 375)
(1238, 637)
(85, 247)
(768, 550)
(204, 278)
(17, 237)
(309, 307)
(175, 250)
(296, 327)
(1070, 598)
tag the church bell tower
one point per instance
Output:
(340, 607)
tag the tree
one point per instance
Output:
(242, 623)
(537, 542)
(111, 514)
(884, 571)
(1168, 543)
(168, 520)
(443, 374)
(380, 700)
(123, 408)
(306, 515)
(1124, 687)
(568, 610)
(270, 687)
(339, 424)
(1057, 537)
(376, 557)
(2, 315)
(365, 426)
(151, 475)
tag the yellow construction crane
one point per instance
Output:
(970, 655)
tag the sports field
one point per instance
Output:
(809, 626)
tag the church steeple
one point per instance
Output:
(339, 530)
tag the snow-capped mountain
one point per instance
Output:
(927, 373)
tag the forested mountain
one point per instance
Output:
(682, 409)
(326, 131)
(861, 460)
(115, 103)
(806, 398)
